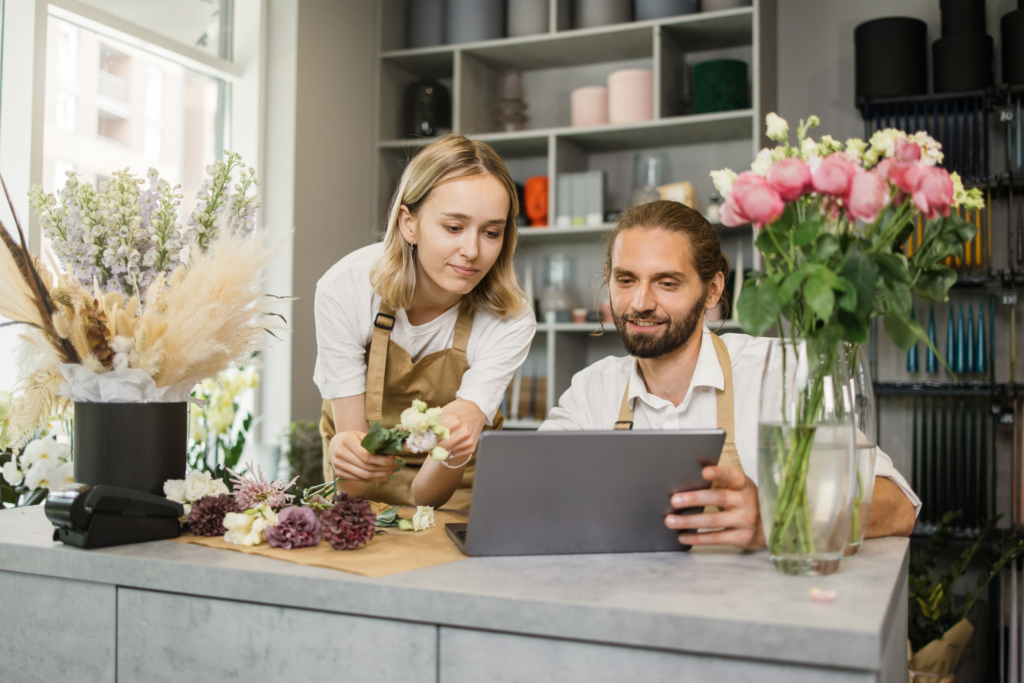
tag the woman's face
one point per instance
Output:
(458, 232)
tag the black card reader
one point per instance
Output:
(99, 516)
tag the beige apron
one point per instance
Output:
(393, 381)
(730, 457)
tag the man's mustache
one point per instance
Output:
(645, 315)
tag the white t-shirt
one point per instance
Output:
(346, 305)
(595, 396)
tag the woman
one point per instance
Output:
(433, 313)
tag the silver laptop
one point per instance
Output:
(548, 493)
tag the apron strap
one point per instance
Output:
(625, 420)
(725, 402)
(377, 363)
(463, 325)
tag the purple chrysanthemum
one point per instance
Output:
(207, 515)
(349, 523)
(296, 528)
(253, 489)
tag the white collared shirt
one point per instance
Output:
(593, 400)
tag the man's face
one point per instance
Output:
(657, 298)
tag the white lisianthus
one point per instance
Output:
(239, 529)
(442, 432)
(423, 519)
(416, 423)
(419, 405)
(12, 475)
(723, 180)
(197, 485)
(439, 453)
(42, 475)
(778, 128)
(174, 490)
(67, 473)
(433, 416)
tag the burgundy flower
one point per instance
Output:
(349, 523)
(296, 528)
(207, 515)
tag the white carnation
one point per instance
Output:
(423, 519)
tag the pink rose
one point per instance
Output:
(833, 175)
(933, 193)
(790, 178)
(908, 151)
(869, 194)
(905, 175)
(754, 199)
(731, 216)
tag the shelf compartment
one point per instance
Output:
(671, 132)
(432, 62)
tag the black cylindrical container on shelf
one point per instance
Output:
(960, 17)
(660, 9)
(428, 109)
(891, 57)
(961, 63)
(425, 23)
(133, 445)
(1012, 25)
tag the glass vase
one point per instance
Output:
(806, 448)
(865, 420)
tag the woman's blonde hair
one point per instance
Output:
(454, 156)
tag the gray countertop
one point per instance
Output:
(719, 603)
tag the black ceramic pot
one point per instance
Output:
(891, 57)
(134, 445)
(961, 63)
(428, 109)
(1012, 25)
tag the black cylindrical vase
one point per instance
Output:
(133, 445)
(1013, 47)
(891, 57)
(961, 63)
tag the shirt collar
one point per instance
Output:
(707, 373)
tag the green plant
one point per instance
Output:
(305, 453)
(933, 608)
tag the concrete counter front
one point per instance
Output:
(168, 611)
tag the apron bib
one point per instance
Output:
(393, 381)
(730, 457)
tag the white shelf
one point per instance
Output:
(521, 424)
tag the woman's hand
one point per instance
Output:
(352, 462)
(465, 421)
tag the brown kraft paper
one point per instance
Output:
(936, 661)
(391, 553)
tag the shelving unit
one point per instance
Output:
(553, 64)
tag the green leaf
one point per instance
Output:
(764, 242)
(388, 518)
(893, 267)
(790, 285)
(758, 307)
(897, 297)
(806, 232)
(828, 244)
(934, 283)
(855, 328)
(862, 272)
(848, 298)
(901, 330)
(375, 438)
(819, 297)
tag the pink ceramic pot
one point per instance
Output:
(590, 106)
(630, 96)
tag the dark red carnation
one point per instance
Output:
(207, 515)
(349, 523)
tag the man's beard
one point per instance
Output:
(646, 345)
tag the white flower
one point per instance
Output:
(723, 180)
(419, 405)
(42, 475)
(423, 519)
(883, 142)
(405, 525)
(217, 487)
(239, 529)
(421, 442)
(415, 422)
(35, 451)
(808, 147)
(434, 416)
(197, 485)
(766, 158)
(442, 432)
(60, 452)
(855, 147)
(439, 453)
(67, 473)
(12, 474)
(778, 129)
(931, 149)
(174, 489)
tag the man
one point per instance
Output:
(664, 270)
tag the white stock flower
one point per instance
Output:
(778, 128)
(174, 489)
(439, 453)
(766, 158)
(856, 147)
(42, 475)
(423, 519)
(723, 180)
(808, 147)
(12, 474)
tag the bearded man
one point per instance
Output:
(665, 270)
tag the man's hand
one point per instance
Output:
(739, 521)
(351, 461)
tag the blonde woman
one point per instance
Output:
(435, 312)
